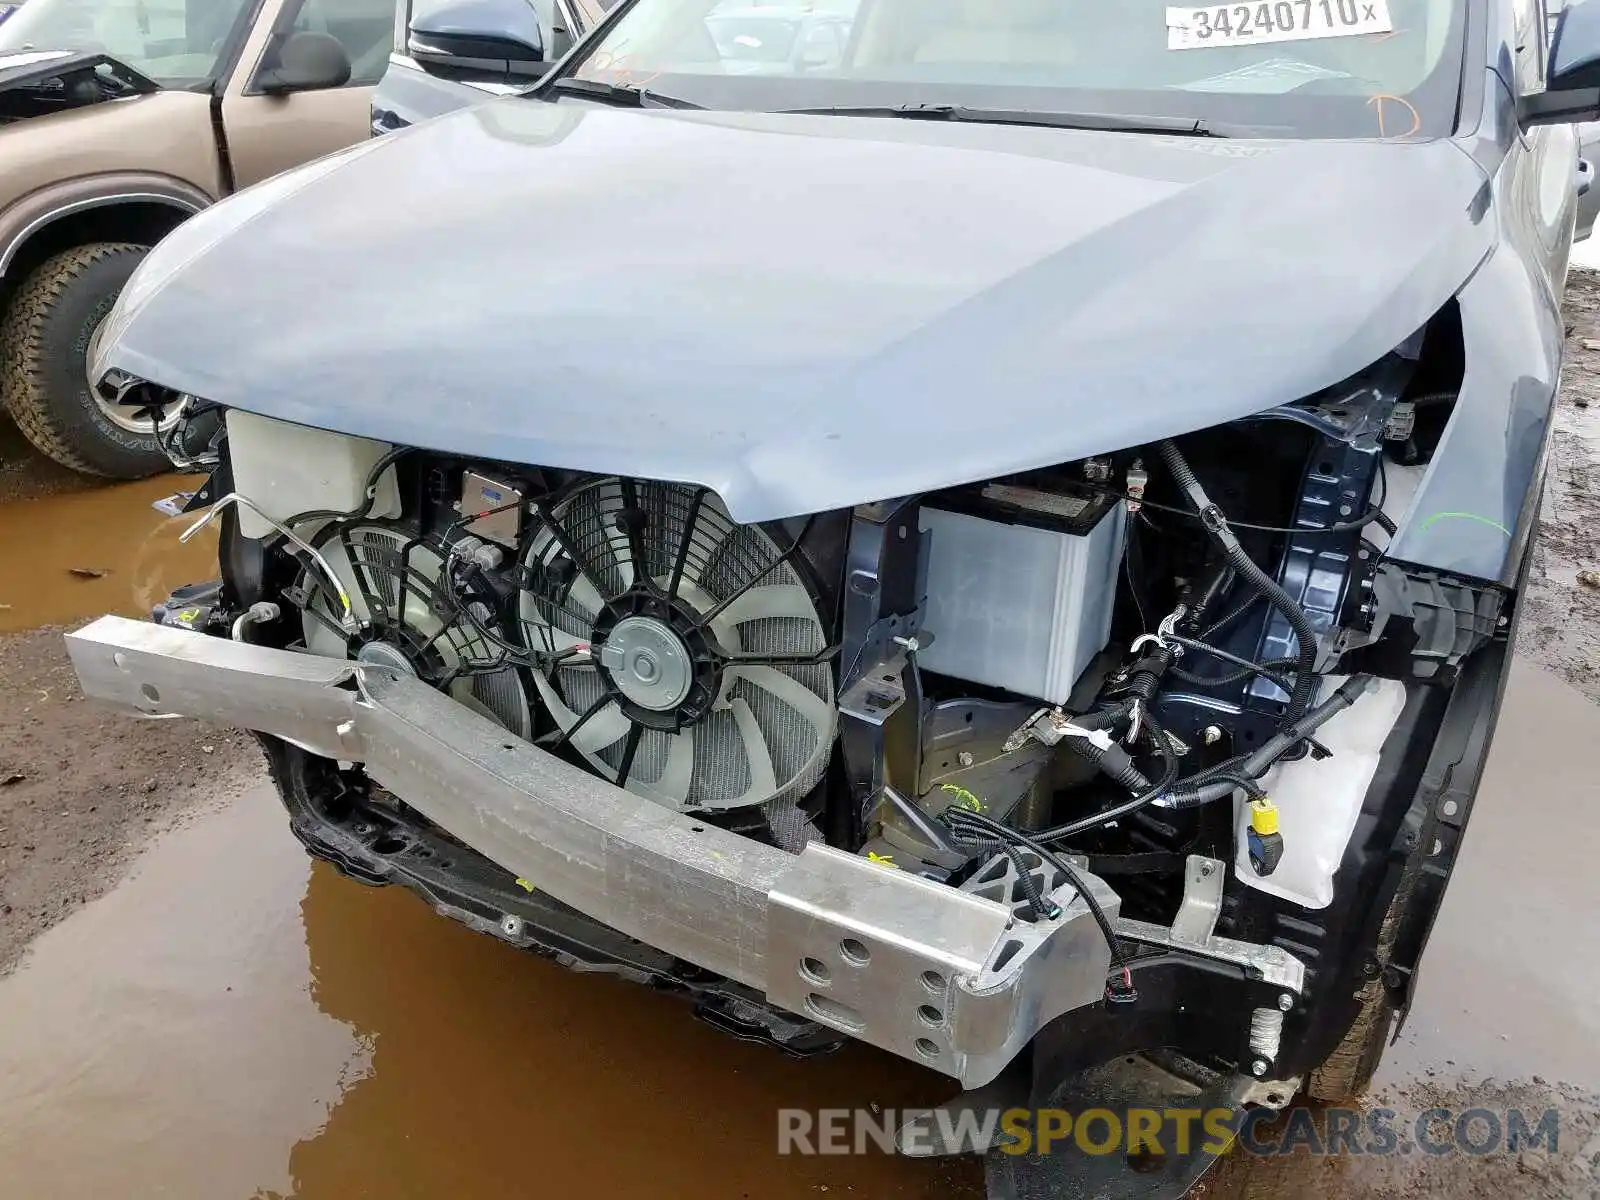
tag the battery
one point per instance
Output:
(1021, 585)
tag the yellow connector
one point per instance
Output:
(1265, 842)
(1263, 816)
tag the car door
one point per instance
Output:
(267, 132)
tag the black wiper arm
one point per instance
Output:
(1108, 122)
(613, 93)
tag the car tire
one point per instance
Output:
(1346, 1075)
(44, 347)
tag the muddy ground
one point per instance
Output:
(229, 996)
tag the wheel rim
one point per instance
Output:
(121, 415)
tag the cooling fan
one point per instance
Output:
(690, 662)
(393, 581)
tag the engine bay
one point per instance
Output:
(1144, 669)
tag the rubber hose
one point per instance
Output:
(1273, 748)
(1277, 664)
(1112, 761)
(1217, 525)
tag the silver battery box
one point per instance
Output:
(1021, 582)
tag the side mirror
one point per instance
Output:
(1572, 80)
(306, 62)
(479, 38)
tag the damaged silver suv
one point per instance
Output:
(1003, 545)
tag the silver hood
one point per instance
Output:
(801, 313)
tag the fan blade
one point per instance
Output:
(607, 726)
(761, 603)
(547, 637)
(610, 503)
(678, 774)
(461, 691)
(817, 711)
(763, 779)
(414, 585)
(709, 532)
(585, 597)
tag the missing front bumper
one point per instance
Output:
(934, 974)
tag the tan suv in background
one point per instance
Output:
(118, 120)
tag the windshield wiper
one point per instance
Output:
(1106, 122)
(613, 93)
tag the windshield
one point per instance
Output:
(177, 43)
(1287, 68)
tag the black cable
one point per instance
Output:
(1221, 532)
(1353, 525)
(957, 817)
(369, 494)
(988, 841)
(1277, 664)
(1117, 812)
(1223, 622)
(1265, 670)
(1219, 781)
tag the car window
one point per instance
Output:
(176, 44)
(1331, 68)
(365, 28)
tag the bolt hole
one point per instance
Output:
(968, 718)
(1274, 1098)
(697, 829)
(507, 746)
(933, 981)
(388, 844)
(814, 970)
(929, 1015)
(855, 952)
(927, 1048)
(834, 1013)
(1325, 468)
(149, 692)
(120, 659)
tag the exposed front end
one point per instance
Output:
(1121, 760)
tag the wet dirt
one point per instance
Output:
(231, 1021)
(83, 788)
(1561, 619)
(102, 549)
(24, 472)
(234, 1022)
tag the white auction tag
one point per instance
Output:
(1198, 27)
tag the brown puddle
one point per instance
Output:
(128, 552)
(231, 1022)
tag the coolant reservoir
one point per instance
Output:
(289, 469)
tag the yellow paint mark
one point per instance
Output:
(963, 797)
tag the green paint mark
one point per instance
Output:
(1464, 516)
